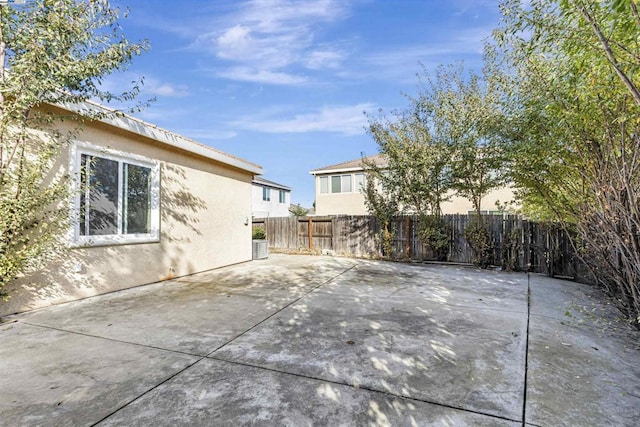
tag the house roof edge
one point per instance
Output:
(148, 130)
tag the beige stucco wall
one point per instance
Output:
(339, 203)
(204, 209)
(460, 205)
(354, 204)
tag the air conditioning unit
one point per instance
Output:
(260, 249)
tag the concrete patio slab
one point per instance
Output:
(450, 285)
(584, 367)
(220, 393)
(403, 344)
(193, 314)
(51, 377)
(287, 278)
(302, 340)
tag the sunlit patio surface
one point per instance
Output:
(302, 340)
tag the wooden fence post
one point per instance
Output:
(335, 240)
(310, 233)
(407, 245)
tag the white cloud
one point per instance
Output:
(402, 63)
(347, 120)
(154, 87)
(235, 43)
(151, 86)
(324, 58)
(248, 74)
(267, 38)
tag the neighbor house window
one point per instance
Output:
(266, 194)
(360, 181)
(282, 196)
(324, 184)
(118, 197)
(341, 184)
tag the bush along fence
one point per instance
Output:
(513, 243)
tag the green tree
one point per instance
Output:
(447, 142)
(52, 53)
(415, 178)
(571, 70)
(470, 117)
(381, 200)
(298, 210)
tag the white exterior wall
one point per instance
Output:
(271, 208)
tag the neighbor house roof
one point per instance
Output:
(352, 165)
(266, 183)
(164, 136)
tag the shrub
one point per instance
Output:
(477, 235)
(435, 234)
(259, 233)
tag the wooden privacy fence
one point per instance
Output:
(516, 243)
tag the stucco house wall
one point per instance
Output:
(460, 205)
(205, 223)
(352, 202)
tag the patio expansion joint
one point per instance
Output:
(289, 304)
(190, 365)
(369, 389)
(111, 339)
(526, 353)
(170, 377)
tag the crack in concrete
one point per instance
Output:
(84, 334)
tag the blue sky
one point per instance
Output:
(285, 84)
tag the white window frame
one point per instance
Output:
(362, 185)
(266, 194)
(282, 196)
(78, 148)
(343, 177)
(346, 177)
(327, 184)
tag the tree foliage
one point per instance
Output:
(298, 210)
(447, 142)
(51, 53)
(381, 200)
(571, 75)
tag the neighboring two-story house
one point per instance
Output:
(339, 187)
(269, 199)
(339, 190)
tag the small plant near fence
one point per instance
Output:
(477, 235)
(435, 234)
(259, 233)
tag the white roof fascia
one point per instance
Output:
(271, 185)
(326, 171)
(148, 130)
